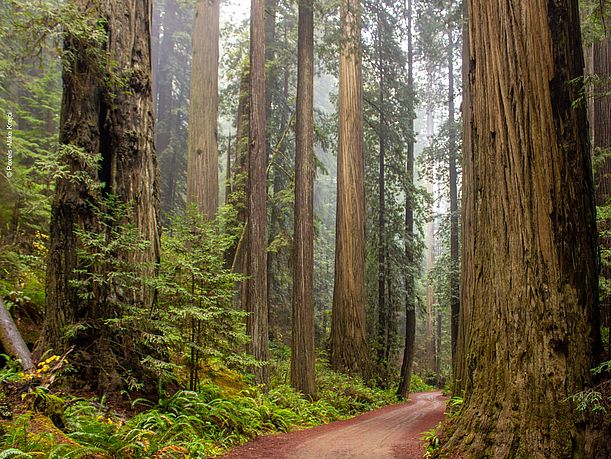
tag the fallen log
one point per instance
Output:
(11, 339)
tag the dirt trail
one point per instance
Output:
(393, 432)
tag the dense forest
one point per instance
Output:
(222, 220)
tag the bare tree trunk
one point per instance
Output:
(165, 78)
(11, 339)
(458, 362)
(410, 306)
(235, 254)
(109, 114)
(228, 171)
(530, 283)
(348, 347)
(383, 325)
(302, 358)
(202, 167)
(257, 324)
(600, 123)
(452, 154)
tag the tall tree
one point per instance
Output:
(256, 296)
(348, 347)
(530, 283)
(302, 357)
(599, 115)
(453, 188)
(383, 319)
(202, 167)
(107, 111)
(410, 305)
(458, 363)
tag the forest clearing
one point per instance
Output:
(305, 229)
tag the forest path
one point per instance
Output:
(392, 432)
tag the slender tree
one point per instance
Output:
(256, 295)
(348, 347)
(453, 188)
(458, 363)
(106, 110)
(383, 322)
(410, 306)
(302, 358)
(530, 282)
(202, 167)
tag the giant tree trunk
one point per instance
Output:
(202, 166)
(530, 281)
(256, 297)
(105, 112)
(348, 347)
(410, 306)
(302, 358)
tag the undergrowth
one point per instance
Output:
(186, 424)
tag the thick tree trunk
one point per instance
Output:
(109, 114)
(11, 339)
(348, 347)
(202, 166)
(302, 359)
(410, 306)
(530, 283)
(256, 300)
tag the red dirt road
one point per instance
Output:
(392, 432)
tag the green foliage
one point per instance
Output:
(431, 441)
(199, 423)
(596, 400)
(418, 384)
(595, 20)
(196, 293)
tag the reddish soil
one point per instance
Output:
(393, 432)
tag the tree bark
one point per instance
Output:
(530, 282)
(348, 347)
(202, 167)
(302, 358)
(256, 301)
(410, 306)
(108, 113)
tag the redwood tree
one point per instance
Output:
(107, 111)
(410, 305)
(256, 294)
(202, 166)
(348, 348)
(302, 357)
(530, 282)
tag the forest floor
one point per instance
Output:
(392, 432)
